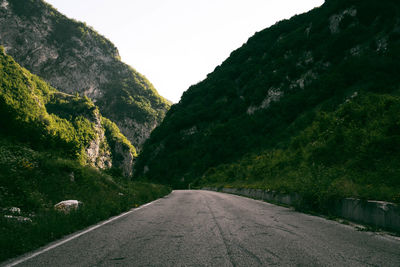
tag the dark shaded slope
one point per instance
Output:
(271, 89)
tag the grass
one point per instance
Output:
(34, 181)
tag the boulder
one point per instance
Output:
(67, 205)
(12, 210)
(17, 218)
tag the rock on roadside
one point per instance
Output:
(67, 206)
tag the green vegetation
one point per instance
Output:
(114, 136)
(36, 113)
(353, 151)
(122, 94)
(44, 138)
(137, 99)
(23, 100)
(35, 181)
(305, 106)
(120, 148)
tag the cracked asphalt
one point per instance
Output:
(203, 228)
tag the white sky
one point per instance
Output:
(176, 43)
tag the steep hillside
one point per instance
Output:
(74, 58)
(54, 147)
(313, 97)
(33, 181)
(35, 113)
(350, 152)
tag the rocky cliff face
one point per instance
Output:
(105, 147)
(37, 114)
(74, 58)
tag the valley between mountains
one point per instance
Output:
(309, 106)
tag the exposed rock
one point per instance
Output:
(125, 162)
(334, 20)
(67, 206)
(354, 95)
(304, 79)
(272, 96)
(14, 215)
(355, 51)
(306, 59)
(96, 156)
(118, 148)
(142, 132)
(308, 30)
(189, 131)
(4, 4)
(98, 151)
(382, 44)
(13, 210)
(74, 58)
(18, 218)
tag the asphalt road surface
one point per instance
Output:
(202, 228)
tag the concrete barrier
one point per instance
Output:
(376, 213)
(288, 199)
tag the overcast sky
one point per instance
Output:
(176, 43)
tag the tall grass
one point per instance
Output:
(35, 181)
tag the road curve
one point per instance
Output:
(202, 228)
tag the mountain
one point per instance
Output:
(53, 147)
(74, 58)
(311, 103)
(35, 113)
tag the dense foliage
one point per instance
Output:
(44, 159)
(353, 151)
(22, 104)
(35, 181)
(269, 106)
(34, 112)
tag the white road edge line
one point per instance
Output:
(76, 235)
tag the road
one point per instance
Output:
(202, 228)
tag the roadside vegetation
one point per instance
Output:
(310, 105)
(353, 151)
(281, 82)
(44, 136)
(35, 181)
